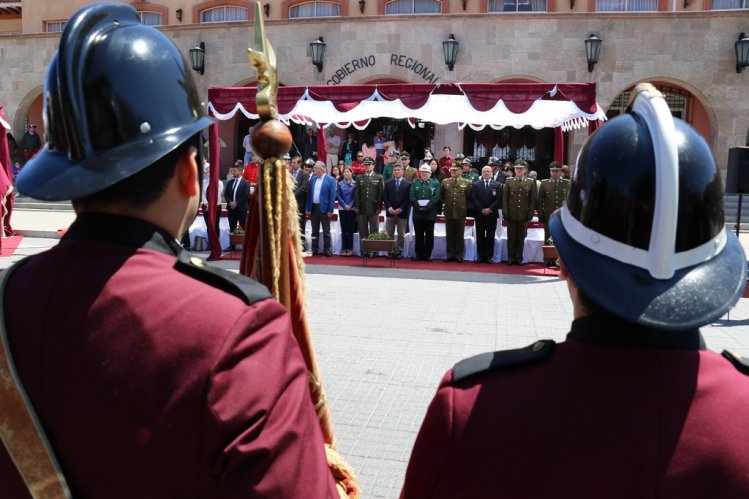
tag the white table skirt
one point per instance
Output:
(531, 253)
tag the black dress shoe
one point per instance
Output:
(415, 259)
(459, 260)
(328, 253)
(315, 253)
(428, 259)
(449, 259)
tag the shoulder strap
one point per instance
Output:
(739, 362)
(20, 429)
(504, 359)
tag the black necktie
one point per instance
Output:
(486, 185)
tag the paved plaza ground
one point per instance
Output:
(384, 338)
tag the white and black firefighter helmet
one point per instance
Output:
(118, 96)
(643, 230)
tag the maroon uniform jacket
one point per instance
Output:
(157, 377)
(616, 411)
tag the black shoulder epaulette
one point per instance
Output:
(503, 359)
(739, 362)
(237, 285)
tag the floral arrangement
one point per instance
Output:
(239, 231)
(380, 236)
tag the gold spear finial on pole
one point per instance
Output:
(263, 59)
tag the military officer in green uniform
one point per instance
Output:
(551, 195)
(455, 193)
(471, 176)
(518, 203)
(368, 199)
(425, 194)
(410, 172)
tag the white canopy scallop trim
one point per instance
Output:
(441, 109)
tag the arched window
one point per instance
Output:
(151, 18)
(679, 102)
(516, 6)
(413, 7)
(315, 9)
(222, 14)
(730, 4)
(626, 5)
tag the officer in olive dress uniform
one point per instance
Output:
(455, 194)
(632, 404)
(551, 195)
(368, 195)
(409, 171)
(471, 176)
(152, 373)
(518, 203)
(425, 194)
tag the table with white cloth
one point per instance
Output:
(531, 253)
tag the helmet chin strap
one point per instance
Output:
(650, 105)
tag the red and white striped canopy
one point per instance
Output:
(478, 105)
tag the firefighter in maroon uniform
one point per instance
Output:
(631, 404)
(153, 375)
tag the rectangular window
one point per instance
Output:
(315, 9)
(151, 18)
(626, 5)
(223, 14)
(517, 6)
(413, 7)
(54, 26)
(730, 4)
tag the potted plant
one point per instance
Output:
(237, 236)
(378, 241)
(550, 253)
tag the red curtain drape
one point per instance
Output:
(213, 196)
(559, 145)
(7, 166)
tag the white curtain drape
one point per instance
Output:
(221, 14)
(315, 9)
(413, 7)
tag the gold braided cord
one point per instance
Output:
(270, 230)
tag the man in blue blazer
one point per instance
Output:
(320, 204)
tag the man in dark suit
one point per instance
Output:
(486, 195)
(159, 376)
(397, 207)
(320, 206)
(301, 185)
(236, 195)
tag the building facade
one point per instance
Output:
(685, 47)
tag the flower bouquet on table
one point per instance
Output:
(237, 236)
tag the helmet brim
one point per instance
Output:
(693, 297)
(53, 176)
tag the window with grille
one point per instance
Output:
(151, 18)
(54, 26)
(413, 7)
(730, 4)
(626, 5)
(679, 102)
(223, 14)
(315, 9)
(516, 6)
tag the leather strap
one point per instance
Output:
(20, 429)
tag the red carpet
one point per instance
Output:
(437, 265)
(10, 244)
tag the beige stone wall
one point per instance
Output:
(10, 26)
(691, 50)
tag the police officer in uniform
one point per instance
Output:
(425, 196)
(153, 374)
(632, 404)
(518, 203)
(551, 195)
(455, 192)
